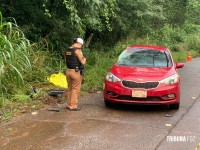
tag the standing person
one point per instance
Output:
(74, 60)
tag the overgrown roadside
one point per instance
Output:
(40, 99)
(31, 52)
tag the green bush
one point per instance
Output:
(194, 42)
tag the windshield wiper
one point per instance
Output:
(167, 59)
(155, 56)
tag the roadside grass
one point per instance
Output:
(95, 70)
(21, 103)
(16, 98)
(182, 56)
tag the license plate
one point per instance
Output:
(139, 93)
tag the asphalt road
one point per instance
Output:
(96, 127)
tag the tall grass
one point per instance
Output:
(14, 57)
(44, 63)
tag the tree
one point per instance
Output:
(193, 11)
(93, 15)
(176, 11)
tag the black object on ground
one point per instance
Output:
(54, 108)
(56, 93)
(75, 109)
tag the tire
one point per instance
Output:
(108, 103)
(174, 106)
(56, 93)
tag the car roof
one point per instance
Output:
(162, 48)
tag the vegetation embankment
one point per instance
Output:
(32, 50)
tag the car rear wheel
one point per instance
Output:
(174, 106)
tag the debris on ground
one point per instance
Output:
(168, 115)
(168, 125)
(56, 93)
(34, 113)
(58, 79)
(54, 108)
(194, 98)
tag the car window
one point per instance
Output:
(144, 58)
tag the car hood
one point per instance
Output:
(142, 74)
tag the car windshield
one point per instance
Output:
(141, 57)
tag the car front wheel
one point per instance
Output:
(107, 103)
(174, 106)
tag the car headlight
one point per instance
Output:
(112, 78)
(170, 80)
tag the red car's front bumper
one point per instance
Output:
(161, 95)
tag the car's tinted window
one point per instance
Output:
(144, 58)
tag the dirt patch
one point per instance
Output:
(38, 101)
(54, 100)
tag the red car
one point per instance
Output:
(144, 75)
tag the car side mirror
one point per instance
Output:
(179, 65)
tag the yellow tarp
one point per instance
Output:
(58, 79)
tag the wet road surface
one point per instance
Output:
(96, 127)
